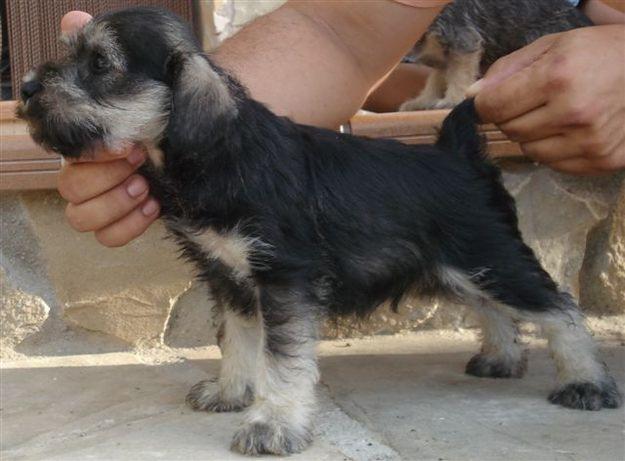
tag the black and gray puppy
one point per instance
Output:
(289, 223)
(470, 35)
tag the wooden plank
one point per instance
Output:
(31, 165)
(491, 137)
(24, 165)
(616, 4)
(29, 180)
(421, 127)
(7, 110)
(22, 147)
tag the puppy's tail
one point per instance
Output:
(459, 136)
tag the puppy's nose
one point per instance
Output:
(30, 88)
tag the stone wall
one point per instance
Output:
(64, 293)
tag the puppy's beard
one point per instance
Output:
(140, 118)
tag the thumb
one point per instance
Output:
(74, 21)
(512, 63)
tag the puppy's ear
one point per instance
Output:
(200, 100)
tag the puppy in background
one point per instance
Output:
(289, 223)
(470, 35)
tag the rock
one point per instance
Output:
(126, 293)
(556, 213)
(21, 315)
(191, 322)
(602, 277)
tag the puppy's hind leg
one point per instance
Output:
(502, 354)
(279, 421)
(433, 92)
(462, 71)
(518, 285)
(583, 380)
(240, 346)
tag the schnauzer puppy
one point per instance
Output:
(470, 35)
(288, 223)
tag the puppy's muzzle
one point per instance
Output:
(29, 89)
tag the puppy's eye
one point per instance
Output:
(99, 64)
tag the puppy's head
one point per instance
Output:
(128, 75)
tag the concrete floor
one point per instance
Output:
(387, 398)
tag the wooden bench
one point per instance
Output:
(26, 166)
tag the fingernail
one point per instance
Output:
(475, 88)
(136, 157)
(150, 208)
(136, 187)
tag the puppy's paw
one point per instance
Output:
(484, 366)
(201, 398)
(419, 103)
(446, 103)
(588, 396)
(269, 438)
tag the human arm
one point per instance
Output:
(314, 62)
(602, 13)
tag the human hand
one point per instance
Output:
(105, 195)
(563, 99)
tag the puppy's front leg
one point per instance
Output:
(279, 421)
(240, 346)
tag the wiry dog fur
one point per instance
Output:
(288, 223)
(470, 35)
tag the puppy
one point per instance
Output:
(470, 35)
(289, 223)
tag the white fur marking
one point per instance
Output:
(461, 283)
(30, 75)
(572, 347)
(240, 346)
(499, 334)
(285, 384)
(232, 249)
(155, 154)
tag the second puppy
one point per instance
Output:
(470, 35)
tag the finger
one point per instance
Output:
(130, 226)
(81, 182)
(108, 207)
(515, 96)
(74, 21)
(511, 64)
(553, 149)
(577, 166)
(532, 126)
